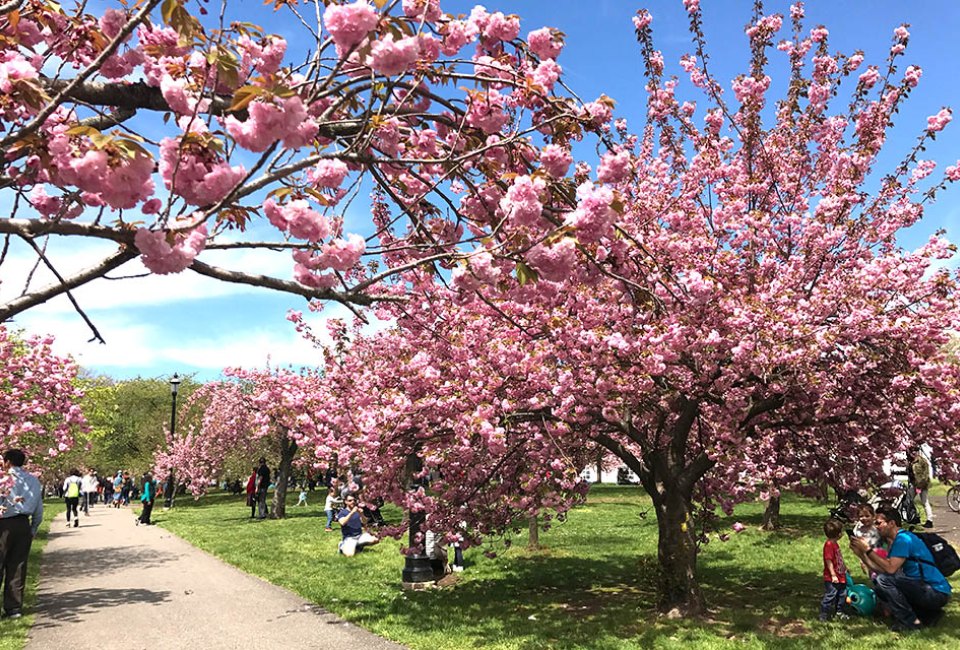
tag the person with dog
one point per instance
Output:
(908, 581)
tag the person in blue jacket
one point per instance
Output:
(908, 580)
(146, 498)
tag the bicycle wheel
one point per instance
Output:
(953, 498)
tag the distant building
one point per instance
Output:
(616, 475)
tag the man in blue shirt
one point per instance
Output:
(21, 511)
(351, 525)
(907, 579)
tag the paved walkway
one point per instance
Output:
(111, 584)
(946, 522)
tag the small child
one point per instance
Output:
(328, 506)
(866, 530)
(302, 501)
(834, 571)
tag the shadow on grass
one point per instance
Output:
(560, 602)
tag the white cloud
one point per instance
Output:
(135, 345)
(135, 291)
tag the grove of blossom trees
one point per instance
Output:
(238, 416)
(39, 399)
(727, 309)
(722, 303)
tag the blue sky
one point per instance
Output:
(185, 323)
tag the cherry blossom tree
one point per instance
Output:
(162, 132)
(239, 416)
(726, 309)
(39, 399)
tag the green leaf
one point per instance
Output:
(525, 274)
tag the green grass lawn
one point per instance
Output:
(13, 634)
(591, 586)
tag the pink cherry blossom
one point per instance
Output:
(39, 405)
(328, 173)
(348, 24)
(164, 252)
(556, 160)
(614, 167)
(341, 254)
(390, 56)
(546, 43)
(428, 10)
(940, 120)
(522, 205)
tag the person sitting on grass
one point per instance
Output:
(907, 581)
(351, 525)
(834, 572)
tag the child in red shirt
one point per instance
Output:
(834, 572)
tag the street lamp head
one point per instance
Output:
(174, 384)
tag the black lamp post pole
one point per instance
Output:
(417, 569)
(174, 387)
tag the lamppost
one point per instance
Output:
(417, 570)
(174, 387)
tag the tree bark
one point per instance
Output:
(533, 542)
(600, 468)
(288, 449)
(678, 589)
(771, 515)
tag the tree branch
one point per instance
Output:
(288, 286)
(28, 300)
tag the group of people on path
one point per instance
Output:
(83, 492)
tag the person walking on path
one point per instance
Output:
(918, 475)
(88, 490)
(117, 489)
(147, 498)
(71, 496)
(127, 491)
(263, 482)
(21, 511)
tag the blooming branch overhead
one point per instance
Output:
(168, 134)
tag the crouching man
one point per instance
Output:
(907, 579)
(351, 525)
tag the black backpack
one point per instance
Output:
(945, 557)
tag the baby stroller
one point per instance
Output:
(898, 496)
(846, 508)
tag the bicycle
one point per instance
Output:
(953, 498)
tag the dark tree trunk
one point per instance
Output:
(771, 515)
(669, 474)
(533, 542)
(823, 492)
(288, 449)
(600, 468)
(678, 590)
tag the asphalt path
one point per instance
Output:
(111, 584)
(946, 522)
